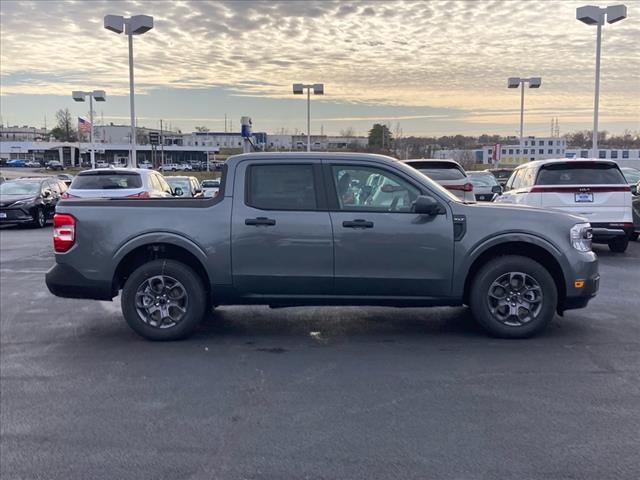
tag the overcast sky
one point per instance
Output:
(433, 67)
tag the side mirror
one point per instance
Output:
(634, 190)
(177, 192)
(198, 191)
(496, 189)
(46, 193)
(427, 205)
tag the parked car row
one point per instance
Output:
(31, 200)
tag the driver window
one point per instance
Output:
(372, 189)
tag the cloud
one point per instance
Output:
(454, 54)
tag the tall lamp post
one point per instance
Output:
(318, 89)
(515, 82)
(100, 96)
(136, 25)
(592, 15)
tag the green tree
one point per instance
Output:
(201, 129)
(380, 137)
(64, 130)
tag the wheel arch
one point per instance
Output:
(546, 255)
(151, 247)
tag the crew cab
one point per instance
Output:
(594, 189)
(295, 229)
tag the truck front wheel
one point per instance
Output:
(513, 297)
(163, 300)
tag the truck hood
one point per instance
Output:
(514, 213)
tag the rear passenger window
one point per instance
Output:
(281, 187)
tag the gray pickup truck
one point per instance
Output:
(295, 229)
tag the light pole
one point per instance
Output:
(592, 15)
(100, 96)
(136, 25)
(318, 89)
(515, 82)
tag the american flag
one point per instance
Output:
(83, 125)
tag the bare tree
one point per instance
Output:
(348, 132)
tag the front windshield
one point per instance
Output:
(20, 187)
(430, 183)
(180, 183)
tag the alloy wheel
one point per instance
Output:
(161, 301)
(515, 298)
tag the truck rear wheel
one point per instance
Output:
(513, 297)
(163, 300)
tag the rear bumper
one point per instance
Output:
(603, 232)
(65, 281)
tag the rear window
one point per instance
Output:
(483, 180)
(580, 174)
(106, 181)
(439, 170)
(281, 187)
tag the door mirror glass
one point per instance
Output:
(46, 193)
(497, 189)
(427, 205)
(177, 192)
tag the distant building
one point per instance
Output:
(533, 148)
(22, 134)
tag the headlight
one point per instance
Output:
(24, 202)
(581, 235)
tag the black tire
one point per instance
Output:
(195, 295)
(494, 270)
(39, 218)
(634, 236)
(619, 245)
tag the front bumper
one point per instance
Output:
(65, 281)
(16, 215)
(586, 271)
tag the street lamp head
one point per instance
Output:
(318, 88)
(615, 13)
(513, 82)
(298, 89)
(115, 23)
(590, 14)
(78, 96)
(100, 95)
(535, 82)
(139, 24)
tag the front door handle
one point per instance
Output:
(260, 221)
(358, 223)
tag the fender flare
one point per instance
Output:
(485, 244)
(167, 237)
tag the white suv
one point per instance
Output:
(594, 189)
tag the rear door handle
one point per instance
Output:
(358, 223)
(260, 221)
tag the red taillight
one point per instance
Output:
(64, 232)
(139, 195)
(467, 187)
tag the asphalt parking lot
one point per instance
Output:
(317, 393)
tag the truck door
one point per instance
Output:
(282, 241)
(381, 247)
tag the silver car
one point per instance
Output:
(119, 183)
(447, 173)
(485, 186)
